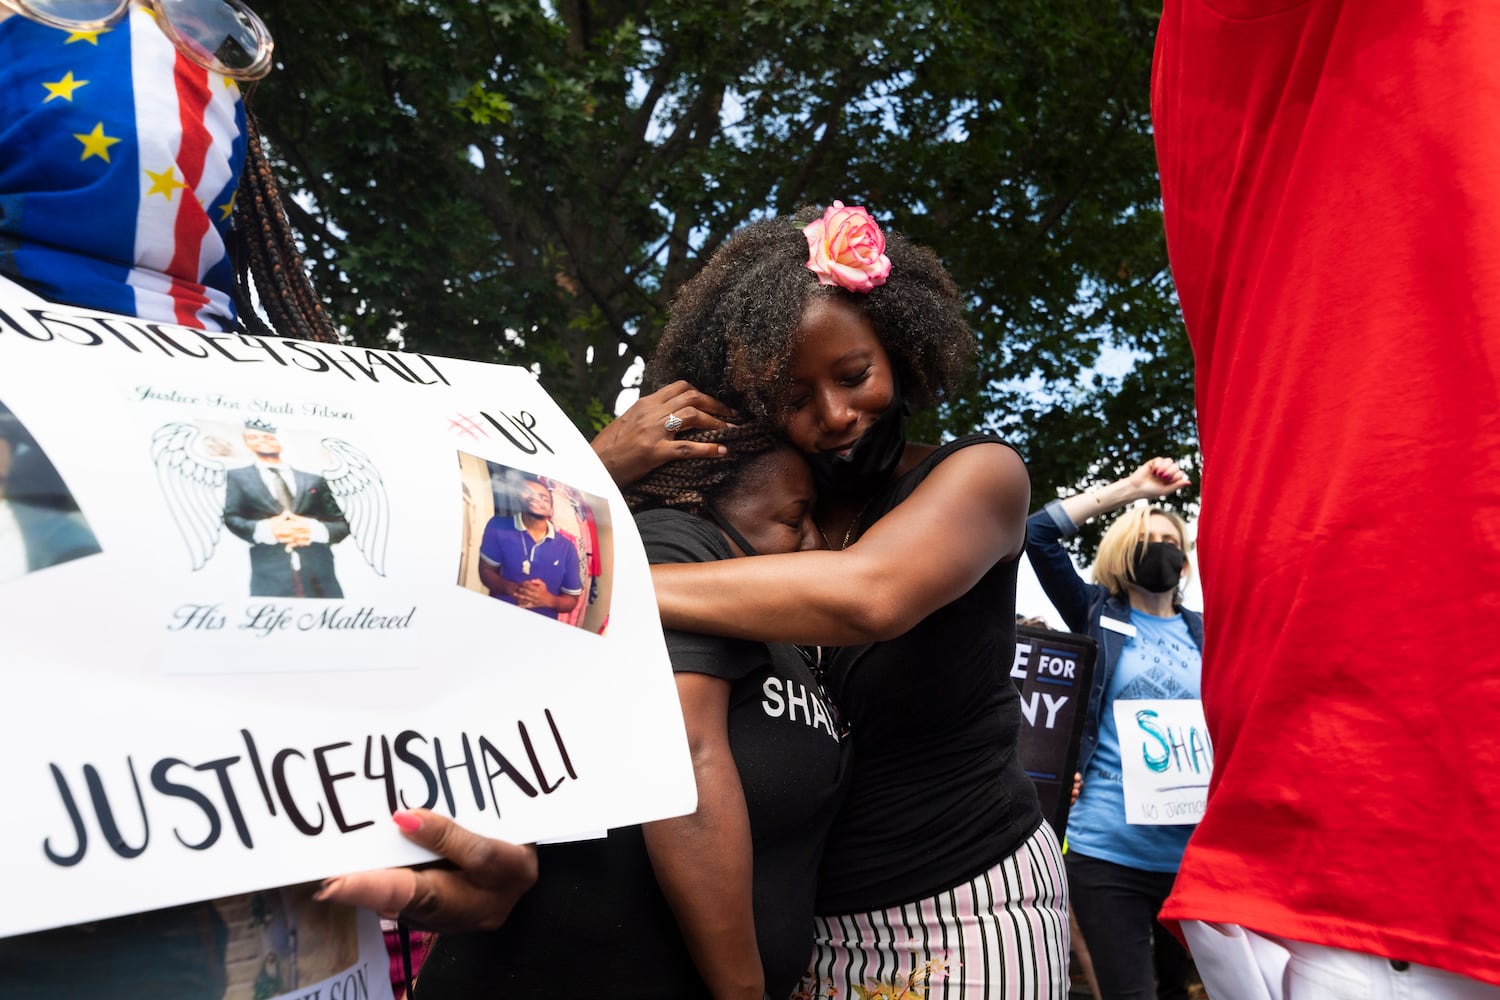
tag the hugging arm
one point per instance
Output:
(703, 860)
(968, 515)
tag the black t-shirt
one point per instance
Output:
(596, 924)
(939, 794)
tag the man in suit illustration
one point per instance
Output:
(288, 516)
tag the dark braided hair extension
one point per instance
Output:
(733, 327)
(265, 251)
(692, 484)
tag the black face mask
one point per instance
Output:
(730, 530)
(871, 460)
(1157, 567)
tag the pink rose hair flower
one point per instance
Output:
(846, 248)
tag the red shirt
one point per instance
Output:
(1331, 179)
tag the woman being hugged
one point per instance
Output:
(939, 870)
(1150, 647)
(717, 903)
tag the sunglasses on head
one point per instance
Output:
(223, 36)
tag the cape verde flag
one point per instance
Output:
(119, 160)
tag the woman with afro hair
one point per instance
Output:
(939, 877)
(939, 869)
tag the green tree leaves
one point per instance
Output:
(530, 182)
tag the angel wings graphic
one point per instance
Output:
(289, 516)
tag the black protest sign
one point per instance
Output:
(1052, 672)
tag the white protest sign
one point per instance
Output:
(223, 676)
(1166, 759)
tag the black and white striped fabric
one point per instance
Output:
(1001, 936)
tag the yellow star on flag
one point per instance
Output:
(227, 209)
(95, 143)
(63, 88)
(164, 183)
(92, 37)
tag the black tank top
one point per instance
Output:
(939, 794)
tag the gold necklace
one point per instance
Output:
(849, 532)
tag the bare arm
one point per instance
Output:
(968, 515)
(1154, 479)
(703, 860)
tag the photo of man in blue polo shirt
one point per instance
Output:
(523, 560)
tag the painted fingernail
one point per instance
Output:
(408, 822)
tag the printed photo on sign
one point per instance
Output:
(193, 728)
(40, 523)
(535, 543)
(293, 496)
(1167, 759)
(269, 945)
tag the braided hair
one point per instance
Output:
(266, 257)
(733, 327)
(693, 484)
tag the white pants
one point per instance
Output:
(1240, 964)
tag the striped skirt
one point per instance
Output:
(1001, 936)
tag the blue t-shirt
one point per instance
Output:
(1159, 661)
(509, 547)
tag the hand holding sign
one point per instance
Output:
(477, 894)
(285, 691)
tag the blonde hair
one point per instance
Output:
(1124, 539)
